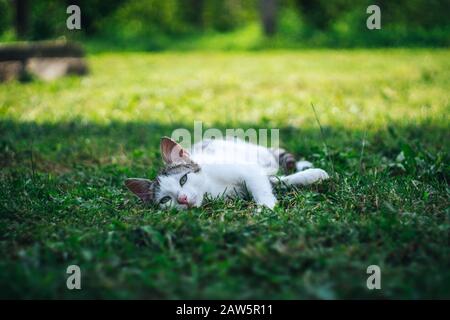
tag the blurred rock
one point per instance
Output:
(35, 49)
(53, 68)
(11, 70)
(46, 60)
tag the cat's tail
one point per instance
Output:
(287, 162)
(303, 178)
(305, 174)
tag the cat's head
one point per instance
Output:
(180, 184)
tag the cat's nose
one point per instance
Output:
(182, 199)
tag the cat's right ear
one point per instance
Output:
(172, 152)
(143, 188)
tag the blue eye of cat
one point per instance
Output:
(164, 199)
(183, 180)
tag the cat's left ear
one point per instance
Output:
(172, 152)
(143, 188)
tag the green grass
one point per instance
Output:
(66, 147)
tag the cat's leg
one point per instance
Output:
(255, 179)
(259, 186)
(306, 177)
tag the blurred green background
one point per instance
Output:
(66, 147)
(231, 24)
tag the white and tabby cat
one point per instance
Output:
(220, 168)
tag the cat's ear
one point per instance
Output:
(143, 188)
(172, 152)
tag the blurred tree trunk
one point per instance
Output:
(21, 18)
(194, 11)
(269, 16)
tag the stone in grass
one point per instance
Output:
(53, 68)
(11, 70)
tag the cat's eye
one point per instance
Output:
(164, 200)
(183, 180)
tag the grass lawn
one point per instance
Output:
(66, 147)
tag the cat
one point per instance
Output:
(221, 168)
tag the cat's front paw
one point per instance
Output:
(315, 175)
(260, 208)
(268, 202)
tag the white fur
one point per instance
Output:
(226, 167)
(302, 165)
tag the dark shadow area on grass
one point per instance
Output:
(76, 143)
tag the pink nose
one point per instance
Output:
(182, 199)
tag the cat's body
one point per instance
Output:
(220, 168)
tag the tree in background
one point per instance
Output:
(320, 14)
(93, 11)
(226, 15)
(148, 22)
(269, 16)
(193, 12)
(416, 13)
(21, 18)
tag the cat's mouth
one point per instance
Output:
(186, 206)
(190, 205)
